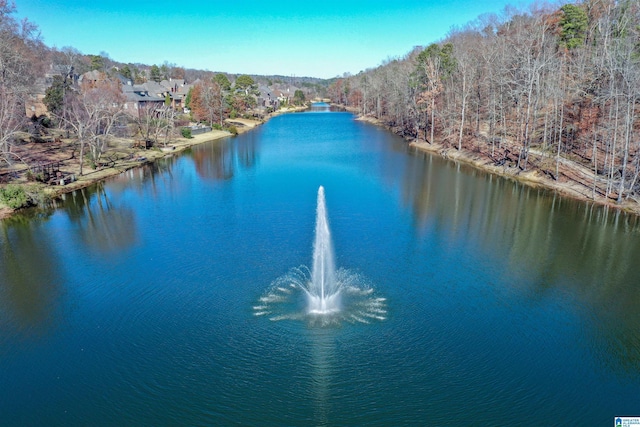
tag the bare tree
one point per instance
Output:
(92, 113)
(20, 59)
(466, 67)
(429, 71)
(156, 123)
(207, 102)
(12, 120)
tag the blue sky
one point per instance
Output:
(292, 38)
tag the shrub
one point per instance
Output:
(45, 121)
(180, 122)
(216, 126)
(36, 195)
(186, 132)
(233, 130)
(14, 196)
(35, 176)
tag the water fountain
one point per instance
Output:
(323, 291)
(327, 295)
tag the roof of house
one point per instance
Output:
(155, 88)
(173, 83)
(124, 80)
(265, 91)
(137, 93)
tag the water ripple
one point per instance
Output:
(286, 299)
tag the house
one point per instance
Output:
(178, 90)
(267, 97)
(155, 93)
(65, 71)
(282, 97)
(34, 103)
(126, 81)
(141, 96)
(155, 88)
(92, 77)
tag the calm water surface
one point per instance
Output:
(133, 302)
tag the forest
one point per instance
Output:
(552, 89)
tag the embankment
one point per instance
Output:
(573, 179)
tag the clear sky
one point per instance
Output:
(292, 38)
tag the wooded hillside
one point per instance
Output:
(535, 89)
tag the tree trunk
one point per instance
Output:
(559, 140)
(628, 125)
(433, 116)
(464, 106)
(81, 154)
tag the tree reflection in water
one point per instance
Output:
(30, 280)
(544, 240)
(100, 224)
(218, 160)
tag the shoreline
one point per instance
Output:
(533, 177)
(140, 157)
(148, 156)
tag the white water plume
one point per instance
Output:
(325, 295)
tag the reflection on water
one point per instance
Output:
(322, 353)
(30, 282)
(320, 107)
(536, 231)
(99, 223)
(156, 178)
(218, 161)
(545, 240)
(247, 149)
(214, 162)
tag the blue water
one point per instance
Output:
(132, 303)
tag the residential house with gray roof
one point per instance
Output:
(140, 96)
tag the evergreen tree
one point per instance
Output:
(97, 62)
(574, 24)
(244, 82)
(155, 74)
(188, 98)
(126, 72)
(222, 80)
(55, 94)
(298, 97)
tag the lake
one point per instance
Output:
(157, 298)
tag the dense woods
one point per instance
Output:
(550, 89)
